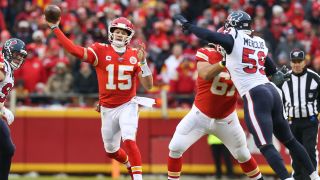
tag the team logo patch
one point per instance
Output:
(133, 60)
(12, 42)
(108, 58)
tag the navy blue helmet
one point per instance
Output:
(240, 20)
(14, 51)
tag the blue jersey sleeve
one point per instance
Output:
(270, 66)
(225, 40)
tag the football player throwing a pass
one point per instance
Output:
(117, 66)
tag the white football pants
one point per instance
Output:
(196, 124)
(117, 123)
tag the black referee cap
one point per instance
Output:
(297, 54)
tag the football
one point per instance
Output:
(52, 13)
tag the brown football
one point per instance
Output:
(52, 13)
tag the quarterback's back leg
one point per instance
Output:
(258, 104)
(283, 133)
(7, 149)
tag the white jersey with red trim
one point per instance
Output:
(246, 61)
(7, 84)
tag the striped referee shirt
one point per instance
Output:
(301, 94)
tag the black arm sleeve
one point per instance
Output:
(270, 66)
(225, 40)
(318, 97)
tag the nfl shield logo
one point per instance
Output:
(310, 95)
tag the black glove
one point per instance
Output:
(183, 21)
(281, 76)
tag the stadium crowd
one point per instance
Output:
(51, 75)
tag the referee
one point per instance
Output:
(301, 102)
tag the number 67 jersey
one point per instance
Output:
(216, 98)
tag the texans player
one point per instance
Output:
(117, 66)
(246, 60)
(213, 87)
(13, 56)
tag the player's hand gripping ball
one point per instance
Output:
(52, 13)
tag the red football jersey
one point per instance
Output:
(116, 74)
(216, 98)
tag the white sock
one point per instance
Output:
(289, 179)
(170, 178)
(258, 177)
(137, 176)
(314, 176)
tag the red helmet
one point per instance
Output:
(121, 23)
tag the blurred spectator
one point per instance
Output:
(85, 81)
(314, 14)
(59, 84)
(2, 22)
(296, 15)
(23, 31)
(157, 39)
(22, 93)
(39, 43)
(32, 72)
(283, 59)
(306, 36)
(183, 83)
(54, 54)
(169, 70)
(288, 44)
(151, 18)
(165, 52)
(316, 64)
(4, 36)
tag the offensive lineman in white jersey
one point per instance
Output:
(13, 56)
(247, 60)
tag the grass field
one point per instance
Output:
(101, 177)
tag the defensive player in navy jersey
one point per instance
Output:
(249, 66)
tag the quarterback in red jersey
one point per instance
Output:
(117, 66)
(213, 112)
